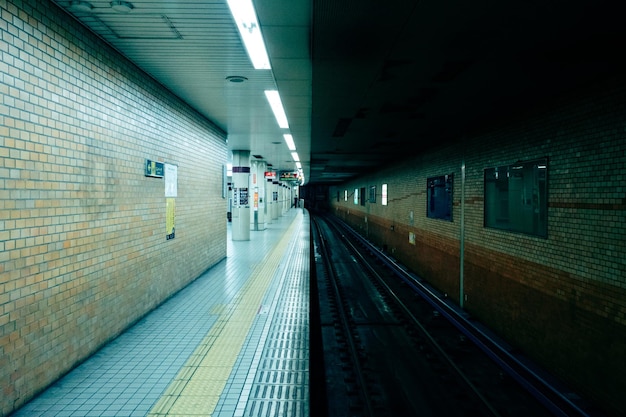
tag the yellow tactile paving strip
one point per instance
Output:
(196, 389)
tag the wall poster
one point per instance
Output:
(243, 197)
(171, 180)
(170, 218)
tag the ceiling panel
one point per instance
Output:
(191, 47)
(366, 82)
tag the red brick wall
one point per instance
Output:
(561, 300)
(83, 249)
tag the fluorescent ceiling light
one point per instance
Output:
(245, 16)
(299, 166)
(295, 156)
(277, 108)
(289, 140)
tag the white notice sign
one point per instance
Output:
(171, 180)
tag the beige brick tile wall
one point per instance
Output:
(83, 252)
(561, 299)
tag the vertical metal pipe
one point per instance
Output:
(462, 238)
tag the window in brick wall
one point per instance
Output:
(372, 194)
(439, 197)
(383, 194)
(516, 197)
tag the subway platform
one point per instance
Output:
(235, 342)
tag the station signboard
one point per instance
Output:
(289, 176)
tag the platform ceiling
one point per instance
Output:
(366, 82)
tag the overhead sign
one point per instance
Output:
(289, 176)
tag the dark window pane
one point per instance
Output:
(516, 197)
(372, 193)
(439, 197)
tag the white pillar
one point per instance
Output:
(269, 204)
(276, 199)
(241, 195)
(257, 190)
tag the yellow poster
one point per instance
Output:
(170, 217)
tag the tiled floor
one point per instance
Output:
(170, 352)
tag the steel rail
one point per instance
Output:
(325, 252)
(537, 386)
(425, 333)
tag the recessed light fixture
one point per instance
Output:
(236, 79)
(245, 16)
(122, 6)
(80, 6)
(289, 141)
(277, 107)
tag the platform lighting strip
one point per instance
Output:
(292, 147)
(277, 107)
(245, 16)
(279, 113)
(289, 141)
(248, 25)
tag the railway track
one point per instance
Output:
(392, 347)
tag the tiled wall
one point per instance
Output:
(562, 300)
(83, 249)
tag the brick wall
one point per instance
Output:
(83, 249)
(561, 300)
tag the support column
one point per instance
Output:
(286, 198)
(282, 198)
(241, 195)
(275, 199)
(257, 214)
(269, 204)
(295, 195)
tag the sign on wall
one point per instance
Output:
(170, 218)
(154, 169)
(243, 197)
(171, 191)
(171, 180)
